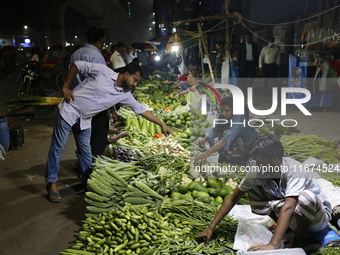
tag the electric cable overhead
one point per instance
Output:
(290, 22)
(240, 18)
(291, 45)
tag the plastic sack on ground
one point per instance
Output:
(243, 212)
(213, 159)
(329, 191)
(252, 228)
(249, 234)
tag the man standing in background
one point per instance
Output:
(91, 53)
(144, 59)
(131, 54)
(108, 57)
(269, 61)
(116, 59)
(220, 56)
(247, 61)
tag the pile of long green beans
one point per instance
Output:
(167, 161)
(200, 216)
(216, 246)
(302, 147)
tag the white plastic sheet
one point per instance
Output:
(252, 228)
(329, 191)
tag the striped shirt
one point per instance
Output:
(292, 181)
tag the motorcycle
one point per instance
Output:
(29, 82)
(33, 82)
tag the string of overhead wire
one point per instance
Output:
(222, 28)
(205, 32)
(208, 31)
(211, 29)
(291, 45)
(274, 24)
(290, 22)
(200, 14)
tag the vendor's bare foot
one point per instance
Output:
(53, 193)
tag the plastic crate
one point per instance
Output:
(17, 137)
(45, 111)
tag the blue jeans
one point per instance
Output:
(60, 135)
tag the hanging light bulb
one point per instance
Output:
(175, 47)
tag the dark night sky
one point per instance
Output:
(16, 14)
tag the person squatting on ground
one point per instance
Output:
(234, 139)
(101, 90)
(292, 198)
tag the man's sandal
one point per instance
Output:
(55, 194)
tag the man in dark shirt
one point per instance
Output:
(247, 61)
(220, 55)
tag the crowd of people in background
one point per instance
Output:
(245, 59)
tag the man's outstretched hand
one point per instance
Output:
(205, 235)
(262, 247)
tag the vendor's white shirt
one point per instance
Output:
(96, 94)
(116, 60)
